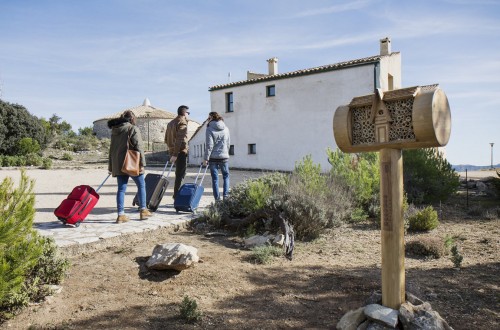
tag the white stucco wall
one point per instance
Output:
(294, 123)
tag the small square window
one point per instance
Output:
(229, 102)
(270, 90)
(231, 150)
(252, 149)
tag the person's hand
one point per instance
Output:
(205, 163)
(173, 159)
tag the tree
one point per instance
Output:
(19, 246)
(428, 176)
(17, 123)
(86, 131)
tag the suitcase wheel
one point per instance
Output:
(177, 210)
(77, 224)
(62, 220)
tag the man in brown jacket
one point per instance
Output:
(176, 138)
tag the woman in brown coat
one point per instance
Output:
(120, 130)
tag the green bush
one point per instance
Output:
(429, 247)
(428, 176)
(67, 156)
(456, 257)
(313, 207)
(33, 160)
(47, 163)
(19, 246)
(361, 172)
(189, 310)
(264, 254)
(424, 220)
(29, 263)
(27, 145)
(310, 200)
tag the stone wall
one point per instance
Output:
(157, 129)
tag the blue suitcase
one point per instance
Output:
(189, 194)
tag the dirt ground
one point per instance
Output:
(109, 287)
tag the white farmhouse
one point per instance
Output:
(277, 119)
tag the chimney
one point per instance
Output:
(273, 66)
(385, 46)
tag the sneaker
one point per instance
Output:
(122, 218)
(145, 214)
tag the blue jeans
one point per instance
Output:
(122, 188)
(214, 172)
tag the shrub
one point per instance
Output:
(189, 310)
(456, 257)
(19, 246)
(46, 163)
(309, 199)
(256, 196)
(67, 156)
(33, 160)
(309, 209)
(428, 176)
(424, 220)
(29, 263)
(264, 254)
(362, 174)
(27, 146)
(429, 247)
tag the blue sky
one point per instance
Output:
(83, 60)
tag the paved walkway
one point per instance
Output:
(52, 186)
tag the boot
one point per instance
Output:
(145, 214)
(122, 218)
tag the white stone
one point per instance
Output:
(175, 256)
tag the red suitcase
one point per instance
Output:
(75, 208)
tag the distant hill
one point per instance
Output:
(462, 168)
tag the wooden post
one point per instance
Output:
(392, 235)
(413, 117)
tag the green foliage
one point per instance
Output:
(312, 201)
(29, 263)
(456, 257)
(27, 146)
(309, 199)
(362, 173)
(264, 254)
(19, 244)
(67, 156)
(448, 242)
(27, 160)
(86, 131)
(428, 176)
(425, 246)
(257, 195)
(189, 310)
(47, 163)
(17, 123)
(424, 220)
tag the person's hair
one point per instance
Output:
(215, 116)
(129, 116)
(181, 111)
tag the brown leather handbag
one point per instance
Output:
(132, 161)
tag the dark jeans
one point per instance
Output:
(180, 171)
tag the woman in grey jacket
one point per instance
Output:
(217, 153)
(120, 130)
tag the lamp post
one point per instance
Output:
(147, 114)
(491, 143)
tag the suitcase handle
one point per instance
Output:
(199, 171)
(165, 168)
(102, 184)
